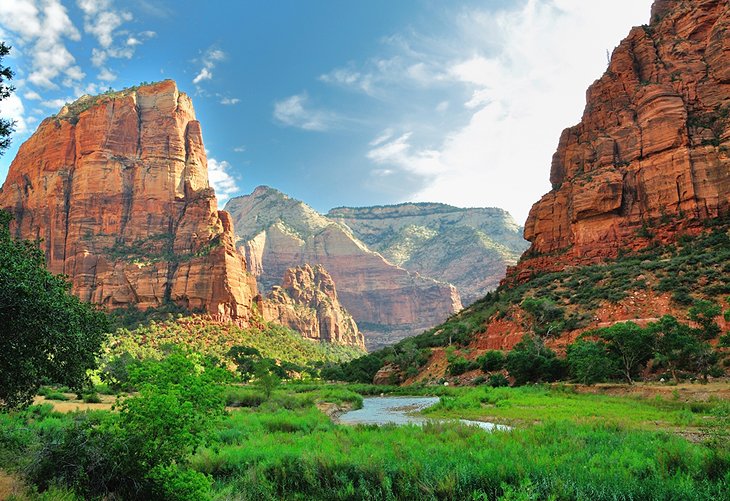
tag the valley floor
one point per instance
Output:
(569, 442)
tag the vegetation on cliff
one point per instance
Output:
(694, 272)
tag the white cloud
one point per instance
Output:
(222, 181)
(209, 60)
(32, 95)
(239, 149)
(526, 77)
(295, 111)
(56, 104)
(106, 75)
(12, 108)
(103, 21)
(228, 101)
(40, 30)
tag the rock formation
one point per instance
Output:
(388, 302)
(469, 248)
(116, 187)
(307, 302)
(652, 148)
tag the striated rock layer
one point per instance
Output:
(388, 302)
(116, 187)
(469, 248)
(307, 302)
(652, 149)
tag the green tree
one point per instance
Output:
(590, 362)
(632, 345)
(531, 361)
(705, 313)
(266, 378)
(47, 334)
(246, 359)
(491, 361)
(6, 74)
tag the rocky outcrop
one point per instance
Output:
(277, 232)
(116, 189)
(652, 148)
(307, 302)
(469, 248)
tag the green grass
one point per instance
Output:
(585, 447)
(296, 455)
(527, 405)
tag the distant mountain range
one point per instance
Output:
(397, 268)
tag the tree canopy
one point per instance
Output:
(46, 333)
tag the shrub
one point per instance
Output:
(531, 361)
(497, 380)
(590, 362)
(55, 395)
(491, 361)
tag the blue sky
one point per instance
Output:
(337, 102)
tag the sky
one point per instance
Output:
(337, 102)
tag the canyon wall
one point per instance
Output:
(388, 302)
(468, 248)
(652, 149)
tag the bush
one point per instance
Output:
(497, 381)
(491, 361)
(92, 398)
(530, 361)
(460, 365)
(55, 395)
(589, 362)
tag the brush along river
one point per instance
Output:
(400, 411)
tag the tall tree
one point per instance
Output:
(6, 74)
(46, 333)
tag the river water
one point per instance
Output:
(400, 411)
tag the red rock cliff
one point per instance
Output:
(652, 147)
(307, 302)
(116, 186)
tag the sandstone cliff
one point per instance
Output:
(116, 187)
(307, 302)
(388, 302)
(469, 248)
(652, 148)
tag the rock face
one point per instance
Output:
(388, 302)
(469, 248)
(307, 302)
(116, 186)
(652, 148)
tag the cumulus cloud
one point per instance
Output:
(239, 149)
(40, 30)
(209, 61)
(12, 108)
(221, 180)
(296, 111)
(525, 77)
(103, 21)
(229, 101)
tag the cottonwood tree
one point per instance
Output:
(46, 333)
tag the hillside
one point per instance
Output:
(469, 248)
(276, 232)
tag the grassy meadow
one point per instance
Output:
(564, 444)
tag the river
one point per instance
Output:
(400, 411)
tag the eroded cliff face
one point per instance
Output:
(652, 149)
(306, 301)
(116, 187)
(388, 302)
(469, 248)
